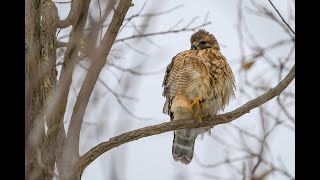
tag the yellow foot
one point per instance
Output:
(197, 102)
(199, 119)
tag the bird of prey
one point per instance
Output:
(198, 83)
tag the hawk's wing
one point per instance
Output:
(169, 82)
(165, 84)
(183, 67)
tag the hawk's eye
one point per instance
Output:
(203, 42)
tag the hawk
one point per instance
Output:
(198, 83)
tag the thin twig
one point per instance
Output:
(131, 71)
(281, 17)
(60, 2)
(162, 32)
(230, 146)
(233, 160)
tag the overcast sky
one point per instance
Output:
(151, 158)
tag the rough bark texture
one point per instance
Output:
(41, 74)
(34, 127)
(49, 18)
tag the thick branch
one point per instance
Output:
(101, 148)
(57, 107)
(71, 150)
(75, 11)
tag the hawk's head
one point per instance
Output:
(203, 40)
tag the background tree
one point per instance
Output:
(106, 57)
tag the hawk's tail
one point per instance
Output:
(182, 148)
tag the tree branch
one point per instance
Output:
(284, 21)
(162, 32)
(56, 108)
(101, 148)
(71, 149)
(74, 13)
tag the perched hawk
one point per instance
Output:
(198, 83)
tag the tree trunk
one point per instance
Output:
(41, 79)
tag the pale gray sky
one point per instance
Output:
(150, 158)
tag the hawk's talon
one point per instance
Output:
(199, 120)
(197, 101)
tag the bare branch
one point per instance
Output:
(109, 88)
(278, 121)
(232, 146)
(163, 32)
(148, 15)
(263, 175)
(191, 21)
(281, 17)
(264, 12)
(278, 169)
(176, 25)
(100, 18)
(249, 134)
(57, 107)
(129, 70)
(62, 44)
(233, 160)
(73, 136)
(73, 15)
(60, 2)
(139, 15)
(162, 12)
(135, 49)
(101, 148)
(283, 108)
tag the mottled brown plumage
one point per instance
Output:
(198, 82)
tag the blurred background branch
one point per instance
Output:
(258, 38)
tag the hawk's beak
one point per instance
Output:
(194, 45)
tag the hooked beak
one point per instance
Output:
(194, 45)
